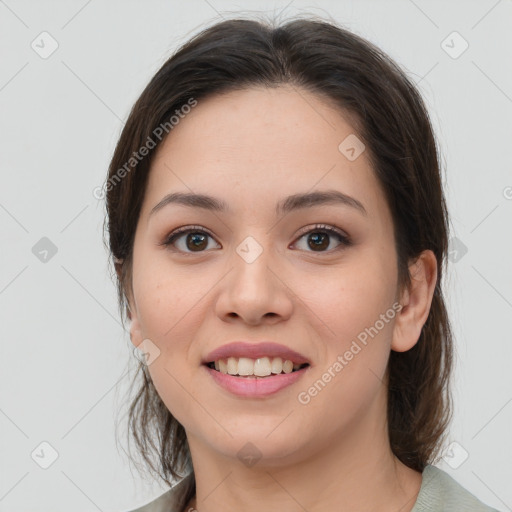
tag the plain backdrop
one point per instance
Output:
(64, 96)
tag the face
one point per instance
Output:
(318, 277)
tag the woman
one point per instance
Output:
(279, 228)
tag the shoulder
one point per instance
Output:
(440, 492)
(172, 500)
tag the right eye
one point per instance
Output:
(196, 239)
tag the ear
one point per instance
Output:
(135, 330)
(415, 301)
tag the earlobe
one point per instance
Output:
(416, 302)
(118, 266)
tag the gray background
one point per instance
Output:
(64, 355)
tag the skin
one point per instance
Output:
(251, 148)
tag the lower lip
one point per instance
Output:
(255, 386)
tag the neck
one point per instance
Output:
(353, 470)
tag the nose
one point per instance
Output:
(254, 292)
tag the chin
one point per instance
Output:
(256, 443)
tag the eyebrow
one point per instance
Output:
(286, 205)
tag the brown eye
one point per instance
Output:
(188, 240)
(318, 241)
(320, 237)
(196, 241)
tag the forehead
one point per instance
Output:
(257, 145)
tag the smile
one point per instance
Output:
(260, 367)
(254, 386)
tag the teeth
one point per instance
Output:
(245, 366)
(277, 365)
(261, 367)
(232, 367)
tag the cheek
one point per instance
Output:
(357, 347)
(351, 298)
(165, 302)
(357, 317)
(164, 296)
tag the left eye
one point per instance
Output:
(319, 237)
(196, 239)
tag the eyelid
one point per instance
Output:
(170, 238)
(325, 227)
(184, 229)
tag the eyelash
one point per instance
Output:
(345, 241)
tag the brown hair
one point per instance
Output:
(392, 121)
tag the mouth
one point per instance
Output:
(260, 368)
(270, 369)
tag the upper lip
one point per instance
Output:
(255, 351)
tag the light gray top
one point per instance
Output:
(439, 492)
